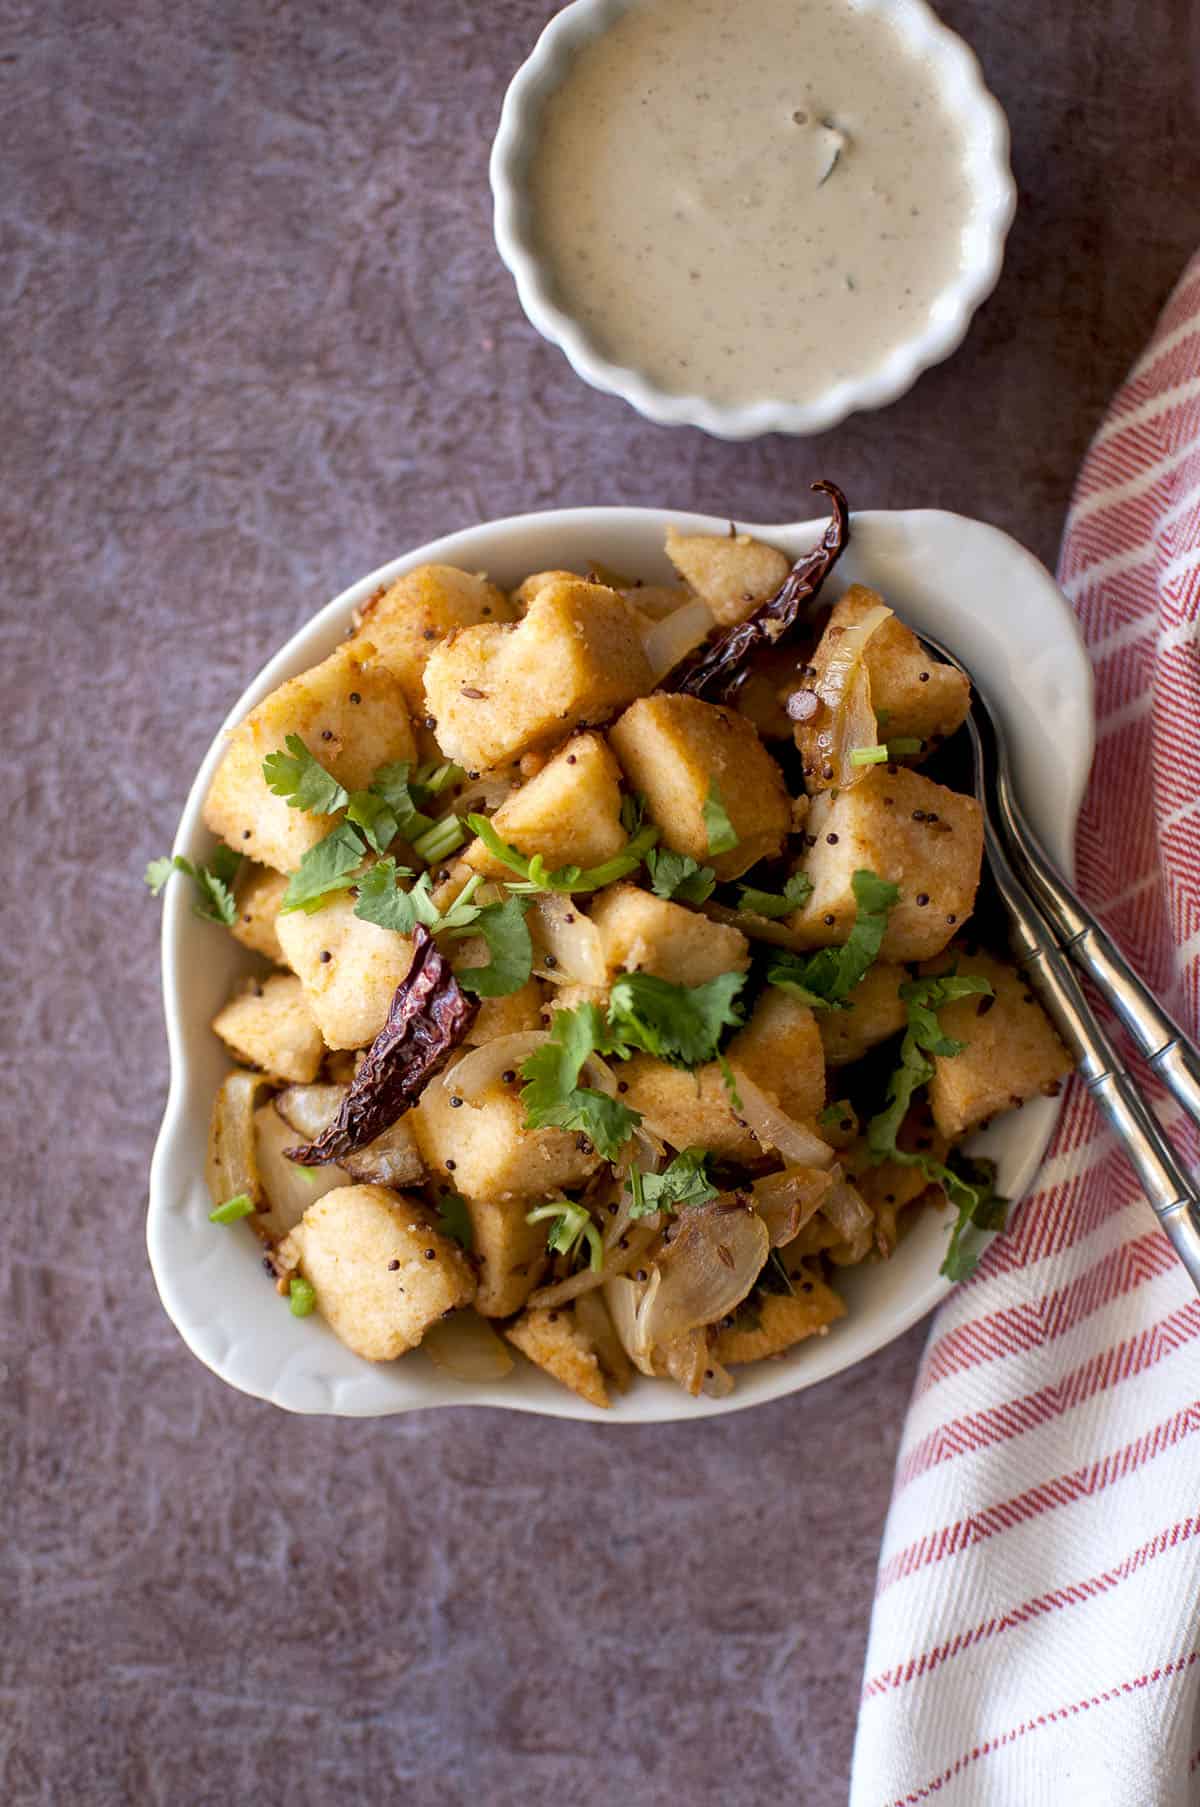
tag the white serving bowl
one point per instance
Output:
(990, 600)
(985, 153)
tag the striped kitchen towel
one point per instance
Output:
(1036, 1629)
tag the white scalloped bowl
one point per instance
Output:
(985, 139)
(990, 600)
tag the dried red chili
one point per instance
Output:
(428, 1018)
(715, 669)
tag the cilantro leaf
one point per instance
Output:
(788, 972)
(970, 1186)
(503, 927)
(395, 785)
(970, 1190)
(381, 902)
(214, 900)
(828, 976)
(922, 1038)
(532, 874)
(571, 1226)
(722, 836)
(454, 1219)
(223, 863)
(684, 1182)
(376, 817)
(328, 867)
(795, 894)
(303, 780)
(677, 1023)
(679, 876)
(552, 1095)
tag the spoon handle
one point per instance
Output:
(1164, 1180)
(1170, 1052)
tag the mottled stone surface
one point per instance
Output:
(257, 340)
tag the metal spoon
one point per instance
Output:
(1050, 923)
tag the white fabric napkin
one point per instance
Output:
(1036, 1630)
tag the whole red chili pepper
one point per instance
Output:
(715, 669)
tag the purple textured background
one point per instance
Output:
(258, 341)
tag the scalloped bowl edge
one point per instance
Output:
(995, 193)
(209, 1284)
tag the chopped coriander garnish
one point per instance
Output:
(677, 1023)
(403, 793)
(381, 901)
(827, 977)
(868, 755)
(300, 777)
(454, 1218)
(328, 867)
(974, 1199)
(438, 842)
(923, 1038)
(679, 876)
(572, 1226)
(159, 871)
(970, 1185)
(722, 836)
(552, 1095)
(233, 1209)
(795, 894)
(213, 900)
(533, 876)
(503, 927)
(302, 1297)
(376, 817)
(684, 1182)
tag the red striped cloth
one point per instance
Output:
(1036, 1631)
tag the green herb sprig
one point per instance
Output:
(772, 904)
(213, 900)
(682, 1183)
(826, 978)
(969, 1188)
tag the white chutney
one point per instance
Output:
(749, 199)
